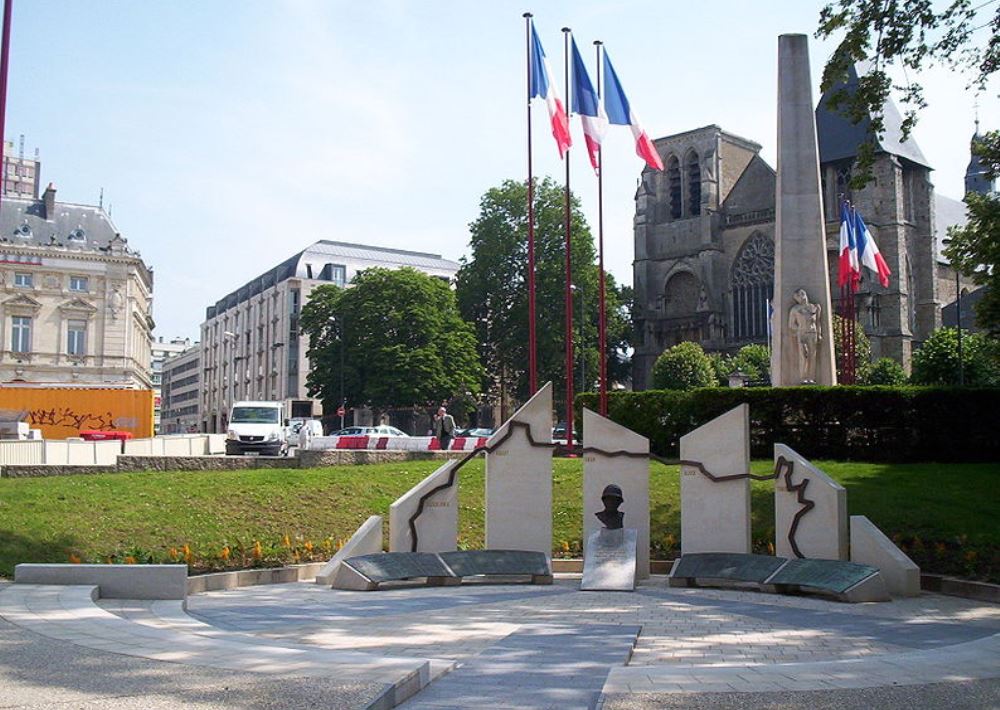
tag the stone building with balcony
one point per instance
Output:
(75, 297)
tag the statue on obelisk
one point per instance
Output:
(802, 324)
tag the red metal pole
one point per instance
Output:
(4, 65)
(602, 314)
(569, 270)
(532, 346)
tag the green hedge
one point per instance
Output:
(900, 424)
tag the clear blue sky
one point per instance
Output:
(229, 135)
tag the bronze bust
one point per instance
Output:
(611, 517)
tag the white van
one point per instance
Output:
(255, 428)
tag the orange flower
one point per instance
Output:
(308, 546)
(257, 552)
(225, 553)
(74, 558)
(286, 541)
(173, 553)
(129, 560)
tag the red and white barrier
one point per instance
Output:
(394, 443)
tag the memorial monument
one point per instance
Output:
(802, 349)
(610, 554)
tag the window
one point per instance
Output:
(875, 311)
(674, 179)
(20, 337)
(78, 283)
(78, 235)
(694, 184)
(335, 273)
(23, 280)
(76, 337)
(753, 284)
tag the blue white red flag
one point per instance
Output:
(587, 103)
(542, 86)
(848, 269)
(620, 113)
(868, 252)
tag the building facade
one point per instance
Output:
(21, 176)
(160, 351)
(704, 240)
(180, 392)
(75, 298)
(251, 345)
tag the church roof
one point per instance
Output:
(839, 138)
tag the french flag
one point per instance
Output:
(541, 86)
(849, 269)
(620, 113)
(868, 253)
(587, 103)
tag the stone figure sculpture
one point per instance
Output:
(611, 517)
(804, 324)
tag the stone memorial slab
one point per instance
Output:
(366, 540)
(519, 479)
(870, 546)
(397, 566)
(802, 350)
(631, 473)
(715, 515)
(609, 562)
(709, 567)
(437, 524)
(822, 531)
(475, 563)
(831, 577)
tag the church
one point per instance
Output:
(704, 239)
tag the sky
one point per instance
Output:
(229, 135)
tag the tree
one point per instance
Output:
(936, 362)
(975, 247)
(492, 293)
(885, 371)
(752, 360)
(908, 34)
(404, 342)
(685, 366)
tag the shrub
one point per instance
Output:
(885, 371)
(684, 366)
(755, 361)
(936, 362)
(897, 424)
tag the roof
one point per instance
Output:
(320, 253)
(839, 138)
(23, 221)
(947, 213)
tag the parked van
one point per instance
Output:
(256, 428)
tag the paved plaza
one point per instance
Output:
(506, 646)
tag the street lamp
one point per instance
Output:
(338, 323)
(958, 319)
(231, 394)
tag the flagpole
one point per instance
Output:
(602, 314)
(8, 6)
(568, 295)
(532, 343)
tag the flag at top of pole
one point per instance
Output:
(621, 113)
(848, 268)
(868, 252)
(542, 86)
(587, 103)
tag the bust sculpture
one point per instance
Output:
(611, 517)
(804, 324)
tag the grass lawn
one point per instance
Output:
(944, 515)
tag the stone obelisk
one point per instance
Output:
(802, 334)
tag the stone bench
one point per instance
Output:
(368, 572)
(845, 581)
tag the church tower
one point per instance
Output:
(975, 174)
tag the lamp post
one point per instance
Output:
(958, 319)
(338, 323)
(230, 395)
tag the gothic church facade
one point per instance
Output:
(704, 240)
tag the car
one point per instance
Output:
(381, 430)
(480, 432)
(352, 431)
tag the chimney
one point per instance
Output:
(49, 198)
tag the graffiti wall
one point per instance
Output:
(62, 412)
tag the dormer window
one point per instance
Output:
(23, 232)
(78, 235)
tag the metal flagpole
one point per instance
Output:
(568, 295)
(4, 65)
(602, 313)
(532, 347)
